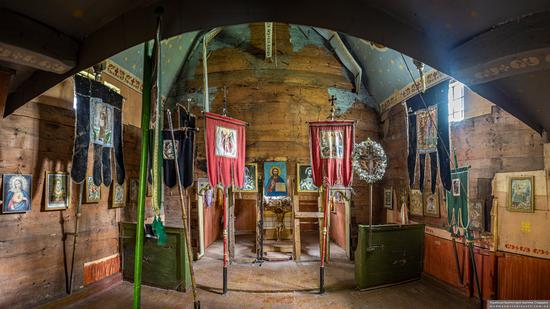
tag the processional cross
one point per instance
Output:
(332, 106)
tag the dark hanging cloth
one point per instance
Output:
(96, 171)
(423, 138)
(82, 138)
(188, 123)
(169, 165)
(433, 168)
(411, 157)
(185, 144)
(98, 121)
(422, 161)
(106, 166)
(117, 143)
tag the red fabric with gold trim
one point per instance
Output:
(225, 150)
(331, 147)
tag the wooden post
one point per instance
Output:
(231, 222)
(145, 117)
(297, 241)
(75, 234)
(184, 212)
(260, 223)
(225, 241)
(546, 166)
(324, 243)
(370, 248)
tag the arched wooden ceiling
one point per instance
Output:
(501, 49)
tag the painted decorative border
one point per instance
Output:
(521, 63)
(123, 76)
(432, 78)
(33, 59)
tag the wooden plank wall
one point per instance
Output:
(277, 99)
(502, 275)
(523, 277)
(337, 226)
(36, 138)
(489, 143)
(440, 263)
(245, 216)
(508, 146)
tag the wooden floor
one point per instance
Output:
(280, 285)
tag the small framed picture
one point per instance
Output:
(118, 194)
(250, 178)
(17, 193)
(101, 120)
(476, 215)
(93, 192)
(431, 204)
(134, 190)
(338, 198)
(305, 178)
(205, 190)
(521, 194)
(388, 198)
(58, 191)
(415, 199)
(275, 179)
(455, 187)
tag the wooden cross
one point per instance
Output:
(224, 101)
(332, 106)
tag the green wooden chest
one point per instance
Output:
(397, 254)
(163, 266)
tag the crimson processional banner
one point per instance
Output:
(331, 145)
(225, 150)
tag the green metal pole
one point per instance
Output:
(145, 118)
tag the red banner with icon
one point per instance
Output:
(331, 144)
(225, 150)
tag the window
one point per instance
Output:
(456, 101)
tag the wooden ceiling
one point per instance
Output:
(501, 49)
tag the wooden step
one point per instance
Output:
(276, 257)
(283, 246)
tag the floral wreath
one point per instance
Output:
(363, 154)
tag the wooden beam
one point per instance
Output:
(138, 25)
(308, 214)
(517, 47)
(296, 229)
(297, 240)
(30, 43)
(5, 78)
(510, 104)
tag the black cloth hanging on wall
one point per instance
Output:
(188, 123)
(185, 144)
(437, 96)
(98, 121)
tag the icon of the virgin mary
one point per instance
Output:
(18, 198)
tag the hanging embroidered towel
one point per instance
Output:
(98, 121)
